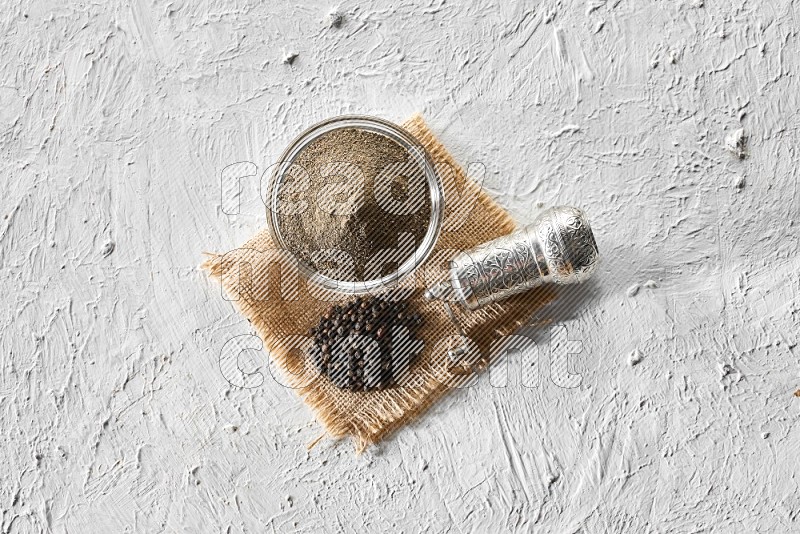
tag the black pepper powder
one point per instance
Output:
(358, 192)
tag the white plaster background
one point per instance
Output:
(116, 120)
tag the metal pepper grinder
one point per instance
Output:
(558, 247)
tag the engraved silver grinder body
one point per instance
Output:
(558, 247)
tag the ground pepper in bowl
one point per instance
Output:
(358, 192)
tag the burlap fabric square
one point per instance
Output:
(281, 307)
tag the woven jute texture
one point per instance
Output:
(281, 306)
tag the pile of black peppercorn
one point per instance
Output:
(366, 344)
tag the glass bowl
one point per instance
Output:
(419, 156)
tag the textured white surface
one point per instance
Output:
(116, 120)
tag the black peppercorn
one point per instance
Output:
(353, 343)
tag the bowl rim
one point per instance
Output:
(417, 151)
